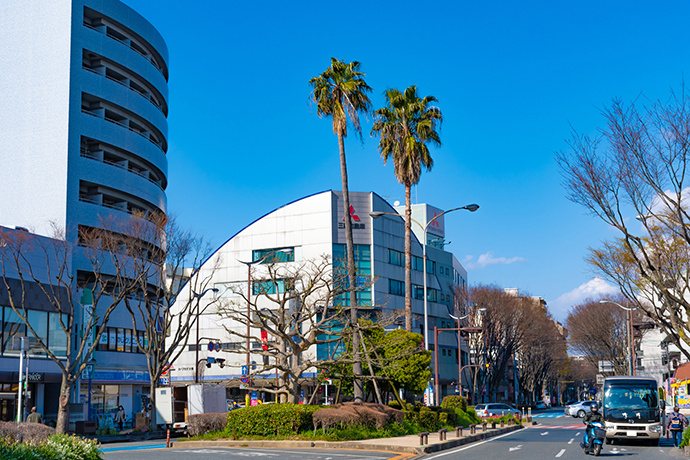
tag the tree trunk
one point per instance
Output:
(63, 405)
(408, 262)
(350, 248)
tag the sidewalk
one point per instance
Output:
(407, 444)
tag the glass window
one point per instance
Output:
(430, 266)
(112, 339)
(57, 338)
(396, 257)
(396, 287)
(417, 292)
(417, 263)
(274, 255)
(128, 340)
(103, 342)
(363, 267)
(12, 327)
(120, 339)
(268, 287)
(39, 322)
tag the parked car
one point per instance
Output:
(495, 409)
(578, 409)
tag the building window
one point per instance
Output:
(274, 255)
(396, 257)
(396, 287)
(430, 267)
(12, 326)
(417, 263)
(268, 287)
(363, 269)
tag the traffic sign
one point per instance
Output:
(244, 370)
(244, 379)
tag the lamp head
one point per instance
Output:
(376, 214)
(471, 207)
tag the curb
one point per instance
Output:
(350, 445)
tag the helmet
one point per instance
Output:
(595, 406)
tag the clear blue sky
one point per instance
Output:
(511, 78)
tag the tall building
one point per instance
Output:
(84, 137)
(305, 230)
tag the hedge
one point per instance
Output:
(270, 419)
(454, 402)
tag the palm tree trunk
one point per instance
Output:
(408, 261)
(357, 364)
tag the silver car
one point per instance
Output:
(579, 409)
(494, 409)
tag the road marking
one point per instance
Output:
(125, 448)
(577, 434)
(518, 447)
(571, 441)
(560, 453)
(545, 433)
(471, 446)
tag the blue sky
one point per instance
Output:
(511, 79)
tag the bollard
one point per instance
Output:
(473, 429)
(484, 426)
(502, 423)
(458, 431)
(424, 438)
(442, 434)
(493, 424)
(167, 440)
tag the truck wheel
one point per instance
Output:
(581, 413)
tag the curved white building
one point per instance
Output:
(84, 136)
(305, 230)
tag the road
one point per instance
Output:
(555, 437)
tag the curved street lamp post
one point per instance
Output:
(631, 341)
(377, 214)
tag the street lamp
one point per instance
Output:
(377, 214)
(630, 332)
(198, 301)
(459, 329)
(90, 367)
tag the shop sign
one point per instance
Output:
(34, 376)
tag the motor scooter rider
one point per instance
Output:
(594, 416)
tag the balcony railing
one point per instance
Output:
(148, 97)
(147, 57)
(86, 154)
(119, 123)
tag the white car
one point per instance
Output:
(579, 409)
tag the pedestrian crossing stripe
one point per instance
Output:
(548, 416)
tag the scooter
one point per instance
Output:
(596, 432)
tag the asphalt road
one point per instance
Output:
(556, 437)
(155, 451)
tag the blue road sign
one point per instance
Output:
(244, 370)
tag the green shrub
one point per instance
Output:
(473, 415)
(270, 419)
(395, 405)
(56, 447)
(454, 402)
(443, 419)
(428, 419)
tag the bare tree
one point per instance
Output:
(598, 331)
(174, 256)
(637, 168)
(294, 306)
(109, 281)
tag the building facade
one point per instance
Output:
(84, 139)
(305, 230)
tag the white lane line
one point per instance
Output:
(571, 441)
(577, 434)
(518, 447)
(560, 453)
(471, 446)
(545, 433)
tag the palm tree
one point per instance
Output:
(340, 92)
(406, 125)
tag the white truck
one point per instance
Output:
(175, 404)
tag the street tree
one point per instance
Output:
(176, 255)
(634, 177)
(292, 311)
(340, 92)
(406, 125)
(84, 303)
